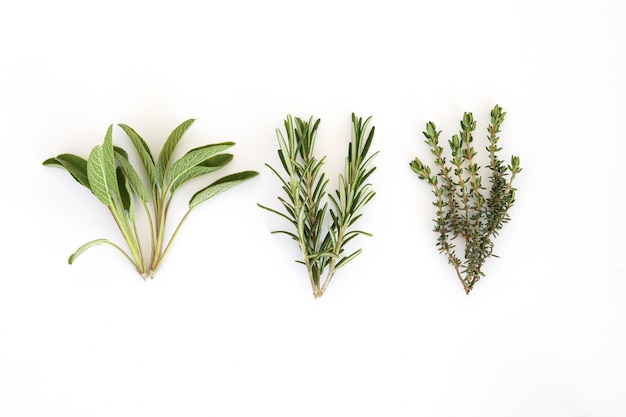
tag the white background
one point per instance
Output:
(229, 326)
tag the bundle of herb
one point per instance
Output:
(322, 243)
(109, 175)
(462, 209)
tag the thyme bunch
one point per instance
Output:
(306, 202)
(462, 207)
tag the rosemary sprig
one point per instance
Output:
(109, 175)
(306, 207)
(462, 208)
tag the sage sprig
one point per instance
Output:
(322, 241)
(462, 207)
(110, 176)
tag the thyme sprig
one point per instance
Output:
(109, 175)
(462, 208)
(306, 204)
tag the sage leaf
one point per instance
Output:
(144, 153)
(194, 158)
(220, 186)
(101, 171)
(97, 177)
(121, 151)
(84, 247)
(132, 176)
(127, 198)
(75, 165)
(210, 165)
(168, 149)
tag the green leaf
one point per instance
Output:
(86, 246)
(127, 198)
(220, 186)
(290, 234)
(348, 258)
(217, 161)
(364, 201)
(144, 153)
(210, 165)
(300, 218)
(277, 212)
(168, 149)
(131, 176)
(179, 170)
(120, 151)
(368, 141)
(75, 165)
(283, 152)
(108, 155)
(101, 171)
